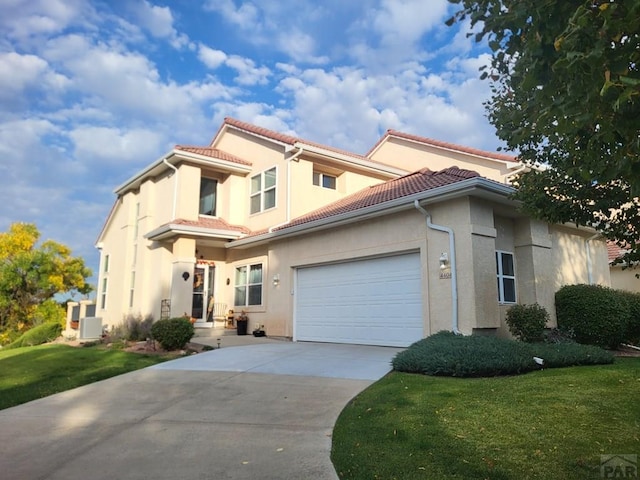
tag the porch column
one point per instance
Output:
(535, 269)
(184, 259)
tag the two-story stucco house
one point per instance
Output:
(321, 244)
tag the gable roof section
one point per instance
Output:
(502, 157)
(416, 182)
(205, 156)
(213, 153)
(291, 142)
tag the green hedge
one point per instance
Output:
(44, 333)
(172, 333)
(453, 355)
(595, 314)
(632, 334)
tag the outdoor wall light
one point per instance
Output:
(444, 261)
(185, 276)
(276, 280)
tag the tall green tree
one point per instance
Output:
(31, 274)
(566, 95)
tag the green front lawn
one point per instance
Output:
(29, 373)
(549, 424)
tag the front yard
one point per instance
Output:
(548, 424)
(29, 373)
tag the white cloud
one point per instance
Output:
(248, 73)
(125, 81)
(159, 22)
(399, 23)
(24, 19)
(210, 57)
(113, 145)
(246, 16)
(19, 71)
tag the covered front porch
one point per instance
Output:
(200, 281)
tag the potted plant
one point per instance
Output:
(241, 323)
(259, 331)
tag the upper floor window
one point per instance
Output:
(248, 285)
(263, 191)
(208, 187)
(505, 270)
(324, 180)
(105, 264)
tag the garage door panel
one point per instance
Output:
(374, 301)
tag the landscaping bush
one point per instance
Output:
(570, 354)
(632, 334)
(527, 322)
(44, 333)
(597, 315)
(172, 333)
(448, 354)
(136, 328)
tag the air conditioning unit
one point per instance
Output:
(90, 328)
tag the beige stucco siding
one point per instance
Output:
(570, 258)
(356, 241)
(625, 279)
(412, 156)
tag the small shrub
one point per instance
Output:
(632, 333)
(597, 315)
(44, 333)
(136, 328)
(172, 333)
(447, 354)
(527, 322)
(555, 335)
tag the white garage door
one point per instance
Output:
(370, 302)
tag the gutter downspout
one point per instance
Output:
(175, 187)
(589, 262)
(288, 218)
(454, 277)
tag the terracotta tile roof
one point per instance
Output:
(212, 223)
(213, 153)
(416, 182)
(437, 143)
(281, 137)
(614, 250)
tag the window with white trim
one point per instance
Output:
(263, 191)
(208, 188)
(324, 180)
(505, 270)
(132, 288)
(248, 285)
(103, 294)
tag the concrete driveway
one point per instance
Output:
(263, 411)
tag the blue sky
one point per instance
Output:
(92, 91)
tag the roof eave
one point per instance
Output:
(462, 188)
(510, 164)
(171, 230)
(175, 156)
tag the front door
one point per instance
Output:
(198, 306)
(203, 276)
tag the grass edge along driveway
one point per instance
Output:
(548, 424)
(29, 373)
